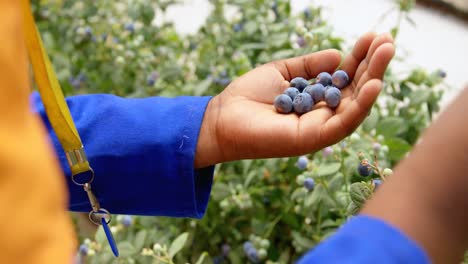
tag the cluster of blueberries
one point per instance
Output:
(257, 251)
(365, 169)
(302, 96)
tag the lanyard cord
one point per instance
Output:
(61, 120)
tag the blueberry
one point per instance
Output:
(283, 104)
(103, 36)
(327, 151)
(225, 249)
(218, 260)
(332, 97)
(225, 81)
(303, 103)
(307, 13)
(377, 183)
(364, 169)
(150, 81)
(301, 41)
(376, 146)
(442, 74)
(324, 78)
(88, 31)
(302, 162)
(309, 184)
(317, 91)
(300, 83)
(127, 220)
(83, 250)
(292, 92)
(252, 255)
(74, 82)
(340, 79)
(238, 27)
(152, 78)
(82, 77)
(130, 27)
(247, 245)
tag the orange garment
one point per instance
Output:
(35, 225)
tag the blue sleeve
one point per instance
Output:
(142, 152)
(366, 240)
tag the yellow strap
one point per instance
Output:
(52, 96)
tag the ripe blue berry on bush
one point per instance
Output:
(364, 169)
(302, 162)
(83, 249)
(309, 184)
(377, 183)
(127, 220)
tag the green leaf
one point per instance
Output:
(316, 196)
(282, 54)
(353, 208)
(290, 220)
(298, 193)
(220, 191)
(391, 126)
(278, 40)
(202, 258)
(250, 177)
(329, 223)
(253, 46)
(140, 239)
(301, 240)
(250, 27)
(328, 169)
(360, 193)
(394, 32)
(419, 96)
(178, 244)
(100, 236)
(202, 87)
(126, 249)
(371, 121)
(397, 148)
(336, 183)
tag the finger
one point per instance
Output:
(378, 41)
(308, 66)
(359, 52)
(377, 65)
(353, 113)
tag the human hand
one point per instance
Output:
(241, 122)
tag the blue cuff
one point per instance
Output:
(142, 152)
(363, 240)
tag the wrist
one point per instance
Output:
(208, 150)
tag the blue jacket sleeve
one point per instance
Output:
(142, 152)
(367, 240)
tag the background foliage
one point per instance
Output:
(115, 47)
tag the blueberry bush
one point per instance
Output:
(260, 211)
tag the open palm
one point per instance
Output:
(247, 126)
